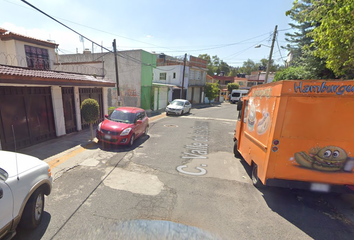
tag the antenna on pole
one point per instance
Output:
(13, 133)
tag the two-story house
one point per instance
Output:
(194, 79)
(36, 102)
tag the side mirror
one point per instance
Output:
(239, 105)
(106, 115)
(139, 122)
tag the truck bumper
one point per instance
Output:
(309, 186)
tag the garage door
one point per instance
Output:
(26, 116)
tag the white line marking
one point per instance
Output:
(209, 118)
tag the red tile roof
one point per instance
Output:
(45, 75)
(5, 35)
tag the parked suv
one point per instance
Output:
(24, 180)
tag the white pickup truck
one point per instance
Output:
(24, 180)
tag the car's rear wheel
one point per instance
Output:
(131, 141)
(182, 112)
(33, 212)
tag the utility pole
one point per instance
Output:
(271, 53)
(184, 69)
(116, 66)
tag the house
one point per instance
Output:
(38, 103)
(258, 77)
(167, 83)
(194, 76)
(135, 73)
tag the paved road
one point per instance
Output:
(181, 182)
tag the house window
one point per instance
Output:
(162, 76)
(174, 75)
(37, 58)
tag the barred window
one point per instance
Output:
(37, 58)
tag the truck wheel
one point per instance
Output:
(33, 212)
(255, 180)
(236, 152)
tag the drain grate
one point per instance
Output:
(170, 125)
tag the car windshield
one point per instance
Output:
(177, 103)
(122, 116)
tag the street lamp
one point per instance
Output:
(270, 54)
(259, 45)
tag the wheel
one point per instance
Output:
(131, 141)
(182, 112)
(146, 130)
(255, 180)
(167, 113)
(33, 212)
(189, 110)
(236, 152)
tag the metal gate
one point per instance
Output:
(94, 93)
(26, 116)
(69, 109)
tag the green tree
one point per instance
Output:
(249, 66)
(293, 73)
(215, 65)
(90, 112)
(231, 86)
(211, 90)
(301, 40)
(334, 34)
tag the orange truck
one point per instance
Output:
(298, 134)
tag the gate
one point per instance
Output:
(94, 93)
(29, 112)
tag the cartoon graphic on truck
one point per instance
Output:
(279, 122)
(330, 159)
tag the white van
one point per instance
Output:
(237, 93)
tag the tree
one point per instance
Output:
(90, 112)
(293, 73)
(215, 65)
(301, 42)
(231, 86)
(249, 66)
(211, 90)
(334, 35)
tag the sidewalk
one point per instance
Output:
(55, 148)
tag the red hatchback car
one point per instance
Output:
(123, 126)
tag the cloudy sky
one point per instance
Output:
(227, 28)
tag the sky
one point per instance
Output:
(229, 29)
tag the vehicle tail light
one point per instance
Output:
(49, 172)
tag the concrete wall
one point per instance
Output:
(130, 72)
(197, 77)
(58, 111)
(147, 66)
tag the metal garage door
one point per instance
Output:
(26, 116)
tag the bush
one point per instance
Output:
(90, 110)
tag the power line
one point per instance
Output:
(64, 25)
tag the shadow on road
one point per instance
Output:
(309, 211)
(35, 233)
(117, 148)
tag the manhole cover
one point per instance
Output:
(170, 125)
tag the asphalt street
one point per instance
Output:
(181, 182)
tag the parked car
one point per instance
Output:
(123, 126)
(179, 107)
(24, 180)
